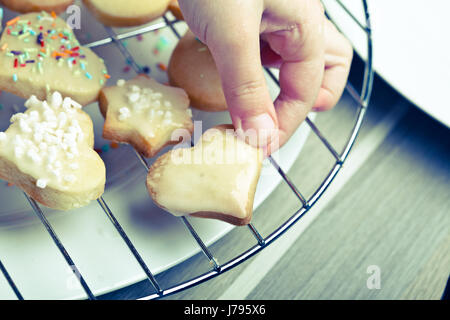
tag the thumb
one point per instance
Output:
(244, 85)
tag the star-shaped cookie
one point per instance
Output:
(145, 114)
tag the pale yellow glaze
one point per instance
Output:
(217, 175)
(153, 110)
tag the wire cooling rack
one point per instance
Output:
(362, 99)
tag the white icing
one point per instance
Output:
(45, 135)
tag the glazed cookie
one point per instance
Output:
(39, 54)
(25, 6)
(130, 13)
(144, 113)
(174, 7)
(215, 179)
(192, 68)
(48, 152)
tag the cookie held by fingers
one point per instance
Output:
(130, 13)
(39, 54)
(215, 179)
(144, 114)
(48, 153)
(174, 7)
(192, 68)
(26, 6)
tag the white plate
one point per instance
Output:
(410, 47)
(29, 254)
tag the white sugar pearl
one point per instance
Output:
(34, 156)
(18, 141)
(18, 152)
(38, 137)
(80, 137)
(67, 103)
(45, 105)
(74, 166)
(70, 178)
(32, 102)
(56, 172)
(76, 105)
(74, 150)
(24, 127)
(135, 88)
(17, 117)
(62, 118)
(124, 113)
(49, 115)
(56, 100)
(34, 115)
(120, 82)
(133, 97)
(151, 114)
(41, 183)
(156, 95)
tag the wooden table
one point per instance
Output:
(387, 214)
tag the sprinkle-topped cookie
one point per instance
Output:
(39, 54)
(144, 113)
(120, 13)
(49, 146)
(25, 6)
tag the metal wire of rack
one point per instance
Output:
(362, 100)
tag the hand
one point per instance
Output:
(295, 36)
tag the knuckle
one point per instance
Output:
(248, 88)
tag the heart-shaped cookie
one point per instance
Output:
(192, 67)
(130, 13)
(216, 178)
(25, 6)
(48, 152)
(40, 54)
(144, 113)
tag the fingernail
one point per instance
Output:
(262, 121)
(258, 130)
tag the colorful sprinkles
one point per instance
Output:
(107, 147)
(162, 66)
(45, 43)
(1, 18)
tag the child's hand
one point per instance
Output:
(294, 35)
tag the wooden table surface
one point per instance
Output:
(386, 215)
